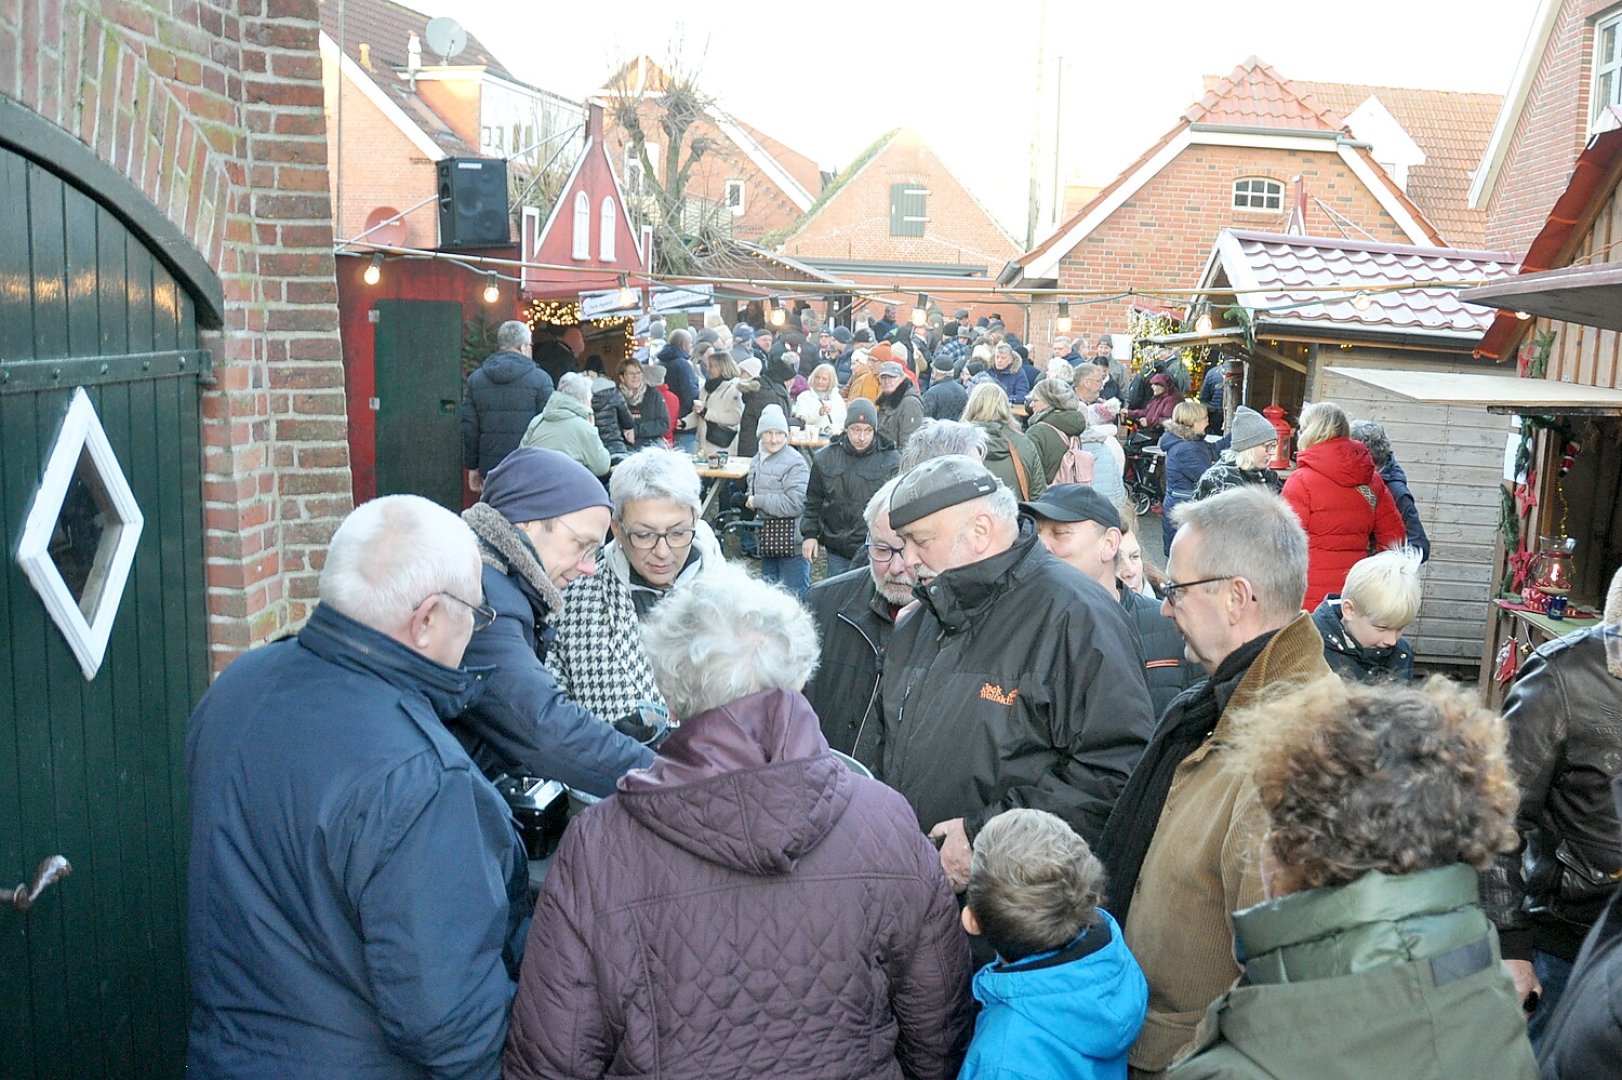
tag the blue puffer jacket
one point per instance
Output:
(357, 893)
(1186, 462)
(503, 395)
(1016, 384)
(1073, 1013)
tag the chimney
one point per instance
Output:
(594, 121)
(413, 57)
(366, 56)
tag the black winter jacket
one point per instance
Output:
(754, 403)
(1396, 482)
(612, 415)
(680, 377)
(503, 395)
(1355, 662)
(842, 482)
(652, 418)
(1014, 685)
(1166, 667)
(945, 399)
(900, 413)
(854, 624)
(1564, 717)
(1583, 1039)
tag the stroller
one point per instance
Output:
(1145, 471)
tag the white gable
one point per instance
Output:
(1389, 142)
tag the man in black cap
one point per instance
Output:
(540, 523)
(1015, 684)
(843, 349)
(946, 396)
(1083, 528)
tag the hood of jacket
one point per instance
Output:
(602, 388)
(506, 367)
(1345, 461)
(1089, 995)
(562, 406)
(504, 548)
(1391, 472)
(895, 397)
(999, 439)
(750, 786)
(1069, 422)
(337, 638)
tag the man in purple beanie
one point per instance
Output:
(540, 522)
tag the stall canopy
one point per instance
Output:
(1590, 295)
(1495, 393)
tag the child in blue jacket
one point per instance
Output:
(1065, 998)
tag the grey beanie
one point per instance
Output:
(861, 411)
(772, 419)
(1249, 429)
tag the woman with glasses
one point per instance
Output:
(1252, 442)
(660, 543)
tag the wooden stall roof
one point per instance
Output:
(1496, 393)
(1591, 295)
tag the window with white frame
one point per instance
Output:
(734, 197)
(633, 168)
(1257, 193)
(1607, 67)
(605, 229)
(581, 248)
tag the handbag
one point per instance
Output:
(774, 539)
(719, 435)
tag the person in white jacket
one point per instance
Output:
(821, 407)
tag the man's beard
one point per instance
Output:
(895, 588)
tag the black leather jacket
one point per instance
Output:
(1565, 743)
(853, 624)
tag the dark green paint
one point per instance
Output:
(418, 348)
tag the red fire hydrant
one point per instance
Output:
(1281, 456)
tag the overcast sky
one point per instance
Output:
(829, 77)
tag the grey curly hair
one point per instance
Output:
(724, 636)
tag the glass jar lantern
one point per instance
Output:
(1552, 571)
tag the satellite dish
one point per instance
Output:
(391, 235)
(446, 37)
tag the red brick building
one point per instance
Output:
(1233, 161)
(897, 209)
(744, 186)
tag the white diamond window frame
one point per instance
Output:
(82, 434)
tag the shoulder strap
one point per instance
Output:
(1019, 468)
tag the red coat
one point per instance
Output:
(1340, 518)
(672, 407)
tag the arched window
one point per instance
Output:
(1258, 193)
(582, 226)
(605, 239)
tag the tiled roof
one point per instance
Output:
(1451, 128)
(1254, 95)
(384, 26)
(1268, 270)
(794, 163)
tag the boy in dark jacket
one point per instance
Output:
(1362, 627)
(1065, 997)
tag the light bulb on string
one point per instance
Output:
(776, 315)
(1203, 324)
(374, 270)
(920, 311)
(1361, 300)
(1523, 315)
(492, 288)
(627, 295)
(1063, 322)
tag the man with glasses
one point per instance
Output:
(1181, 847)
(660, 544)
(540, 522)
(356, 893)
(855, 613)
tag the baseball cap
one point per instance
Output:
(1074, 502)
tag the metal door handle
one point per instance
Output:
(48, 873)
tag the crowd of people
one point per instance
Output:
(995, 798)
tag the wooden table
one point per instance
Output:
(736, 468)
(807, 441)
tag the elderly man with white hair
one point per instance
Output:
(1015, 683)
(355, 885)
(503, 395)
(660, 544)
(746, 906)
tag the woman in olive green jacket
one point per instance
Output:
(1373, 957)
(1010, 454)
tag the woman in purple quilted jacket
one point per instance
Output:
(747, 906)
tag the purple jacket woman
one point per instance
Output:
(747, 906)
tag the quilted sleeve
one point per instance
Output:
(930, 989)
(559, 1027)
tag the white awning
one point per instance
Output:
(1495, 393)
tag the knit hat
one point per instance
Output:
(656, 330)
(1074, 502)
(842, 335)
(653, 374)
(771, 419)
(1249, 429)
(863, 335)
(532, 484)
(1159, 379)
(749, 365)
(708, 335)
(743, 332)
(861, 411)
(937, 484)
(942, 362)
(961, 314)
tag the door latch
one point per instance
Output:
(48, 873)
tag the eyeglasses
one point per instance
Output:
(588, 547)
(1174, 589)
(647, 539)
(881, 554)
(483, 614)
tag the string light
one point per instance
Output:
(775, 314)
(920, 311)
(627, 295)
(1361, 300)
(553, 312)
(1064, 322)
(1523, 315)
(1203, 324)
(374, 270)
(492, 288)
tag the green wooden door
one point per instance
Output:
(92, 980)
(418, 350)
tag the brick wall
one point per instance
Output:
(855, 223)
(213, 108)
(1549, 135)
(381, 167)
(1162, 236)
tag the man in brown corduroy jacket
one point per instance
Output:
(1182, 845)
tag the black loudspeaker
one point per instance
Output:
(472, 202)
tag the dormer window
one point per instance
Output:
(1257, 193)
(1607, 67)
(581, 246)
